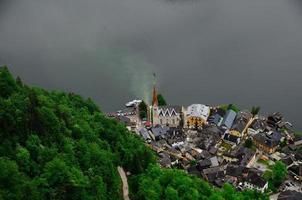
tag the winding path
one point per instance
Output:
(125, 183)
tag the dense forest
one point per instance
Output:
(56, 145)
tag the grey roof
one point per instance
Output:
(268, 139)
(259, 124)
(215, 119)
(204, 164)
(243, 155)
(164, 159)
(290, 195)
(214, 161)
(144, 133)
(234, 170)
(229, 118)
(213, 150)
(159, 130)
(241, 120)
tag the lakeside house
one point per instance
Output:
(197, 115)
(267, 141)
(241, 120)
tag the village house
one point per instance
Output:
(267, 141)
(216, 117)
(145, 135)
(197, 115)
(241, 156)
(258, 125)
(230, 139)
(274, 119)
(256, 182)
(234, 172)
(240, 123)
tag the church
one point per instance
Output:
(165, 115)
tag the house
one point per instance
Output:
(197, 115)
(159, 132)
(258, 125)
(168, 115)
(234, 171)
(144, 133)
(203, 164)
(215, 119)
(267, 141)
(130, 125)
(228, 119)
(256, 182)
(241, 156)
(240, 123)
(214, 175)
(231, 139)
(214, 162)
(165, 160)
(274, 119)
(295, 170)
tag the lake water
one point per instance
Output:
(247, 52)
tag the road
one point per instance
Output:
(125, 183)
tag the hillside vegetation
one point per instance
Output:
(56, 145)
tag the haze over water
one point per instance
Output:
(247, 52)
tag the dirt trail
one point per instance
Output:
(125, 183)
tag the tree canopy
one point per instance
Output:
(161, 100)
(56, 145)
(172, 184)
(143, 110)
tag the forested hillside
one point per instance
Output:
(56, 145)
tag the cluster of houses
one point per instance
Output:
(220, 144)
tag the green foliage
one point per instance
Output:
(143, 110)
(276, 175)
(161, 100)
(226, 107)
(279, 173)
(157, 184)
(233, 107)
(11, 180)
(248, 143)
(7, 83)
(255, 110)
(55, 145)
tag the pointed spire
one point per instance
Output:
(154, 99)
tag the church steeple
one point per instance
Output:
(154, 99)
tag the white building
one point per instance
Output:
(197, 114)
